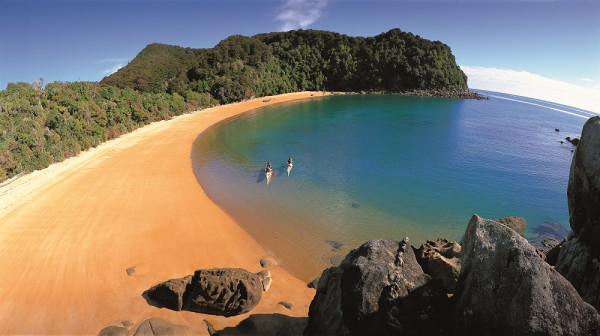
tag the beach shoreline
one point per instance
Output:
(69, 232)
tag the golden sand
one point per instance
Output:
(68, 234)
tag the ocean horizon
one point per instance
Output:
(387, 166)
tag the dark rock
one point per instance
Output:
(130, 270)
(335, 245)
(574, 141)
(579, 258)
(268, 324)
(159, 327)
(325, 315)
(505, 289)
(378, 289)
(441, 260)
(355, 205)
(224, 291)
(314, 284)
(556, 130)
(552, 255)
(516, 223)
(576, 263)
(172, 293)
(126, 324)
(113, 331)
(287, 305)
(264, 263)
(583, 191)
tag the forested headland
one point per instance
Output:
(41, 124)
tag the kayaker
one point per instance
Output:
(290, 161)
(268, 169)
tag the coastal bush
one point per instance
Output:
(40, 125)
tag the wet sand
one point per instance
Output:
(68, 234)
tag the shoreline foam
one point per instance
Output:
(68, 234)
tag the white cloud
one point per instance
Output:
(526, 84)
(300, 13)
(113, 69)
(586, 79)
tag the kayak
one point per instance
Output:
(289, 168)
(268, 176)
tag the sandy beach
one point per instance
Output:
(68, 234)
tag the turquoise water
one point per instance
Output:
(386, 166)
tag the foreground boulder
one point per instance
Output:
(579, 257)
(441, 260)
(504, 288)
(379, 289)
(225, 291)
(172, 293)
(219, 291)
(576, 263)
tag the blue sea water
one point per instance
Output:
(387, 166)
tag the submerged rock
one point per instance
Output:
(504, 288)
(335, 245)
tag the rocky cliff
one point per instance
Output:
(578, 257)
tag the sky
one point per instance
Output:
(498, 43)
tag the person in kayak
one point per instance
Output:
(290, 161)
(268, 169)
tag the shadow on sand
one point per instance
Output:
(266, 324)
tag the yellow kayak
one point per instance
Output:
(289, 168)
(268, 176)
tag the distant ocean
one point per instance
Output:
(387, 166)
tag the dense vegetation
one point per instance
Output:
(242, 67)
(39, 126)
(44, 124)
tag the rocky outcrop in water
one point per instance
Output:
(504, 288)
(579, 256)
(219, 291)
(379, 289)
